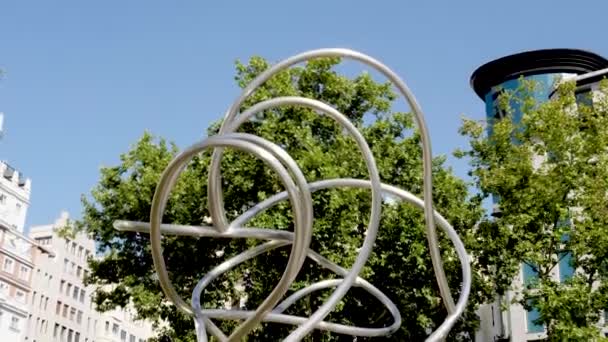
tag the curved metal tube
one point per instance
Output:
(279, 235)
(302, 236)
(216, 202)
(376, 208)
(442, 331)
(298, 192)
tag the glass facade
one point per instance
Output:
(566, 268)
(529, 274)
(566, 271)
(543, 85)
(531, 326)
(585, 98)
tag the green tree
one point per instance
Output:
(550, 174)
(400, 265)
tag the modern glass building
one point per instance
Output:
(545, 68)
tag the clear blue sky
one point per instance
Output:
(84, 79)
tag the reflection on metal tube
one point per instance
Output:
(298, 192)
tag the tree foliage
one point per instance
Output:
(400, 265)
(549, 172)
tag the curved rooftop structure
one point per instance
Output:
(532, 63)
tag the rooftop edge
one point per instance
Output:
(532, 63)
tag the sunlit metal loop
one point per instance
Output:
(303, 227)
(216, 201)
(297, 191)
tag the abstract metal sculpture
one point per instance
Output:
(298, 192)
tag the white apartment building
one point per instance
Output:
(17, 254)
(61, 309)
(14, 197)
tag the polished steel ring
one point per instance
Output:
(298, 191)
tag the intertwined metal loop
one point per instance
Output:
(298, 192)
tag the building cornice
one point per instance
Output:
(16, 256)
(21, 195)
(19, 283)
(49, 251)
(534, 62)
(14, 308)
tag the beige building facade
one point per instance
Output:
(61, 309)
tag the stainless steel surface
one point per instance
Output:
(297, 191)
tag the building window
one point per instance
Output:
(115, 329)
(61, 285)
(20, 296)
(499, 113)
(81, 295)
(65, 310)
(69, 290)
(80, 249)
(79, 317)
(131, 338)
(70, 335)
(65, 265)
(531, 317)
(584, 98)
(2, 199)
(4, 288)
(14, 323)
(56, 330)
(58, 308)
(75, 293)
(123, 336)
(44, 241)
(107, 327)
(8, 265)
(77, 337)
(18, 208)
(24, 273)
(78, 271)
(566, 270)
(73, 250)
(529, 274)
(72, 314)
